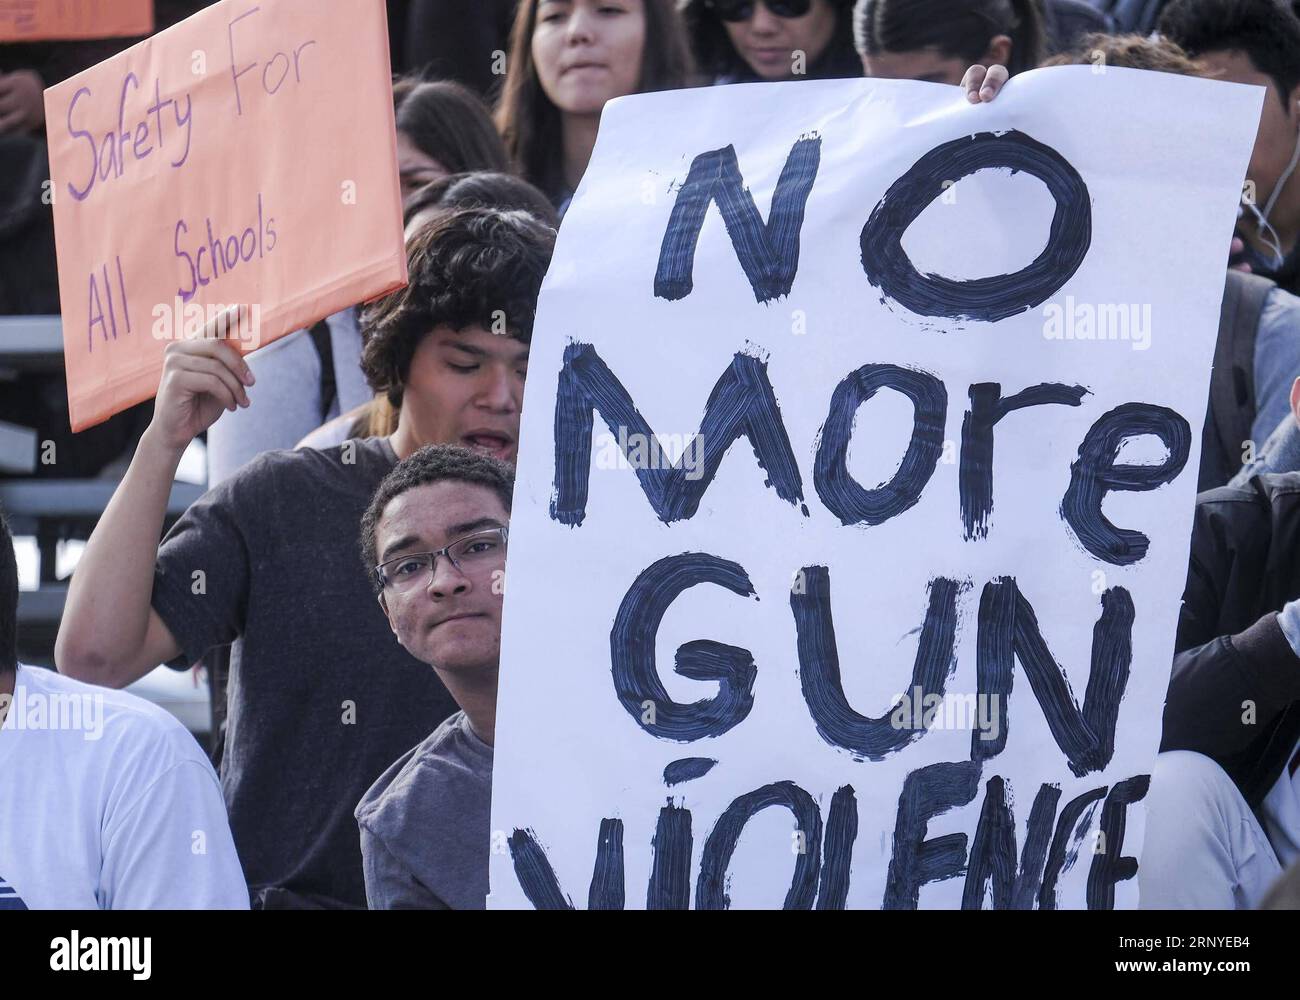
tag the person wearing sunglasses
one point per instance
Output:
(434, 542)
(741, 41)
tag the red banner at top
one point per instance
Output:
(62, 20)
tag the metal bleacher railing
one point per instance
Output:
(51, 510)
(27, 344)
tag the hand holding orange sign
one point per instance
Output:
(202, 378)
(47, 20)
(203, 167)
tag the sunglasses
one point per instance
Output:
(743, 10)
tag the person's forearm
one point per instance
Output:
(1224, 693)
(106, 619)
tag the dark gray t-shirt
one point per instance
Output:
(424, 824)
(322, 697)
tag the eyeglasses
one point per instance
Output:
(743, 10)
(476, 551)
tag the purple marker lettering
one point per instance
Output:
(77, 133)
(187, 121)
(107, 163)
(218, 255)
(155, 109)
(121, 284)
(246, 256)
(266, 69)
(185, 295)
(95, 314)
(141, 135)
(297, 70)
(123, 133)
(112, 310)
(236, 74)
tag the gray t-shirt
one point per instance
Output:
(322, 697)
(424, 824)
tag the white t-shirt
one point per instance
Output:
(107, 802)
(1281, 811)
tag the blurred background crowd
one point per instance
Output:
(498, 102)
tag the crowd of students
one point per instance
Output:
(350, 550)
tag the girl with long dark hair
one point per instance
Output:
(567, 58)
(444, 128)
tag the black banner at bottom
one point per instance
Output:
(335, 950)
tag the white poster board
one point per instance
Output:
(955, 360)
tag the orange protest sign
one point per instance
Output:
(44, 20)
(245, 156)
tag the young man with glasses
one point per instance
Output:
(434, 540)
(321, 697)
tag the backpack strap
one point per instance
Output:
(1232, 384)
(320, 338)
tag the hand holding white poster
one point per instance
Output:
(854, 496)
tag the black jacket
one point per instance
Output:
(1230, 651)
(1136, 16)
(1065, 22)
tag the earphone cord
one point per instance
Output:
(1266, 231)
